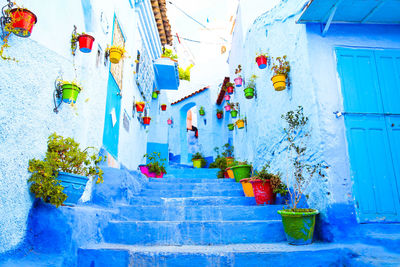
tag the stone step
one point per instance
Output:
(198, 213)
(191, 193)
(193, 232)
(237, 255)
(175, 180)
(192, 201)
(192, 186)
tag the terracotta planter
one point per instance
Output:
(140, 107)
(262, 61)
(229, 90)
(85, 43)
(146, 120)
(279, 82)
(247, 187)
(238, 81)
(163, 107)
(22, 21)
(263, 192)
(219, 115)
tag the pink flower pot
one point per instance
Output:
(227, 108)
(238, 81)
(227, 97)
(145, 170)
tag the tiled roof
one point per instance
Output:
(192, 94)
(222, 91)
(160, 14)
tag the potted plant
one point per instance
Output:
(238, 80)
(228, 153)
(70, 91)
(227, 107)
(169, 121)
(240, 123)
(220, 113)
(198, 160)
(281, 69)
(262, 60)
(85, 42)
(299, 223)
(168, 53)
(227, 97)
(61, 177)
(201, 111)
(234, 107)
(229, 87)
(140, 107)
(231, 126)
(247, 187)
(116, 53)
(155, 94)
(222, 162)
(146, 120)
(155, 167)
(249, 91)
(241, 170)
(163, 107)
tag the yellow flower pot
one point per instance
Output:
(240, 124)
(115, 55)
(230, 173)
(197, 163)
(247, 188)
(279, 82)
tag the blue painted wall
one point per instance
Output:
(159, 148)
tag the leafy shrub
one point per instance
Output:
(199, 156)
(156, 163)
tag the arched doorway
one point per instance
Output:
(192, 132)
(187, 114)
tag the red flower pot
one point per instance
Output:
(263, 192)
(146, 120)
(261, 61)
(85, 43)
(227, 108)
(227, 97)
(163, 107)
(169, 121)
(219, 115)
(140, 107)
(230, 90)
(22, 21)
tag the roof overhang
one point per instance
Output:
(167, 74)
(222, 91)
(351, 11)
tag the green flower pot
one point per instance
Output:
(201, 112)
(197, 163)
(234, 113)
(154, 95)
(70, 93)
(241, 172)
(231, 126)
(249, 93)
(299, 225)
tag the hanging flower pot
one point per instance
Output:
(229, 90)
(247, 187)
(146, 120)
(227, 97)
(240, 124)
(238, 81)
(241, 171)
(201, 111)
(227, 108)
(116, 54)
(163, 107)
(70, 93)
(263, 192)
(22, 21)
(234, 113)
(299, 225)
(249, 93)
(261, 61)
(231, 126)
(85, 43)
(219, 115)
(154, 95)
(169, 121)
(140, 106)
(279, 82)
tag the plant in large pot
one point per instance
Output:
(229, 88)
(220, 113)
(238, 80)
(241, 170)
(116, 53)
(262, 60)
(155, 167)
(223, 162)
(198, 160)
(299, 222)
(61, 177)
(281, 69)
(249, 91)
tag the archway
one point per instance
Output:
(183, 125)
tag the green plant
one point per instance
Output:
(156, 163)
(228, 150)
(229, 84)
(169, 53)
(234, 106)
(252, 82)
(275, 179)
(220, 111)
(185, 74)
(304, 169)
(63, 154)
(281, 66)
(201, 109)
(199, 156)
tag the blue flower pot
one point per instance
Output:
(74, 185)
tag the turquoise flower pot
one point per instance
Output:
(74, 185)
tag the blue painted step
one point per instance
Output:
(193, 201)
(191, 193)
(193, 232)
(193, 186)
(192, 173)
(197, 213)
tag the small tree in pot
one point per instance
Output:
(198, 160)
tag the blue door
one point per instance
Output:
(371, 95)
(112, 117)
